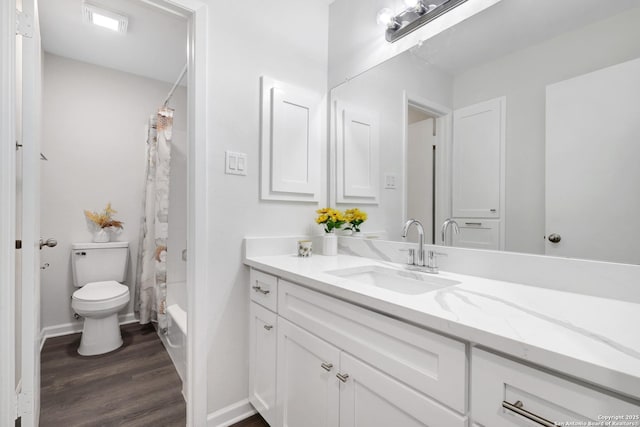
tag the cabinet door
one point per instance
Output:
(308, 391)
(478, 160)
(262, 361)
(370, 398)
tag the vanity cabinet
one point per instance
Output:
(320, 361)
(505, 393)
(337, 364)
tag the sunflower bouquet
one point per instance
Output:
(104, 219)
(332, 219)
(354, 218)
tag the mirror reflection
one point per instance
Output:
(526, 136)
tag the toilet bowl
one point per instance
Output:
(98, 272)
(99, 304)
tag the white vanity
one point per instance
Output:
(357, 341)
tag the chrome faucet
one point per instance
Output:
(405, 229)
(447, 222)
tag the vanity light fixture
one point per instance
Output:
(101, 17)
(417, 14)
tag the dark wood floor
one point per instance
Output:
(136, 385)
(254, 421)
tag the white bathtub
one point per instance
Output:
(175, 338)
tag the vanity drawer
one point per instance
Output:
(428, 362)
(477, 233)
(264, 289)
(495, 380)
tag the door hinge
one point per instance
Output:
(18, 244)
(25, 403)
(24, 24)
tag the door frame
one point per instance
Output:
(8, 398)
(197, 211)
(443, 156)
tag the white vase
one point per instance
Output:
(101, 236)
(330, 244)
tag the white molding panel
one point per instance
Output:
(290, 148)
(357, 156)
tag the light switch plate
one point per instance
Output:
(390, 181)
(235, 163)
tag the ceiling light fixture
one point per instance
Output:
(104, 18)
(417, 14)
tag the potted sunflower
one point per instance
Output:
(331, 220)
(354, 219)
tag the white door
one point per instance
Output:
(308, 391)
(370, 398)
(420, 175)
(478, 160)
(29, 407)
(592, 173)
(263, 340)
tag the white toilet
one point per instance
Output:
(98, 271)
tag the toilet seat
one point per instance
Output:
(100, 296)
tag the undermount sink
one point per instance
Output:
(401, 281)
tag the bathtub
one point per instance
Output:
(175, 337)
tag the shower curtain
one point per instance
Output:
(151, 277)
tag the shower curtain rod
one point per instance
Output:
(175, 86)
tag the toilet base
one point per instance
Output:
(100, 335)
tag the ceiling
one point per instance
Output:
(155, 45)
(511, 25)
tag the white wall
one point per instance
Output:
(380, 92)
(522, 77)
(357, 42)
(94, 135)
(288, 42)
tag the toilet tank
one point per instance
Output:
(96, 262)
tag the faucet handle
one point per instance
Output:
(411, 255)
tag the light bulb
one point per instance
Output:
(386, 17)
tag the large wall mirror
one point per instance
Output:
(521, 123)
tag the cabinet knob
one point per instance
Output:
(342, 377)
(555, 238)
(327, 366)
(268, 327)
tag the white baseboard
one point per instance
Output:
(230, 414)
(75, 327)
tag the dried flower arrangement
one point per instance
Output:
(103, 219)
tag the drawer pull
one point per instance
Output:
(262, 291)
(477, 224)
(342, 377)
(517, 408)
(327, 366)
(268, 327)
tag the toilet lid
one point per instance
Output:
(98, 291)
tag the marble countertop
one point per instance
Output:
(591, 338)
